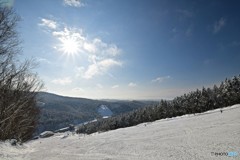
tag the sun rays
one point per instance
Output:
(69, 46)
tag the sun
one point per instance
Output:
(70, 46)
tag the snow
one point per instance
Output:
(46, 134)
(104, 111)
(187, 137)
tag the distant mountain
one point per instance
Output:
(60, 111)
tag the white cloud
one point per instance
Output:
(161, 79)
(97, 46)
(107, 63)
(91, 48)
(101, 56)
(70, 33)
(113, 50)
(62, 81)
(91, 71)
(100, 67)
(43, 60)
(48, 23)
(131, 84)
(219, 25)
(115, 86)
(74, 3)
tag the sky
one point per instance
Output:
(130, 49)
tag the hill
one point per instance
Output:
(59, 111)
(194, 102)
(209, 135)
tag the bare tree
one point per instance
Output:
(18, 84)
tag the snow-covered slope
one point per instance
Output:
(104, 111)
(202, 136)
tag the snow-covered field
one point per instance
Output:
(203, 136)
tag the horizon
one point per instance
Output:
(130, 50)
(102, 99)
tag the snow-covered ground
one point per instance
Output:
(203, 136)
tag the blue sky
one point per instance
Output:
(130, 49)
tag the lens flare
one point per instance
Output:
(69, 46)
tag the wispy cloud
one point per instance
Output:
(77, 89)
(131, 84)
(42, 60)
(160, 79)
(100, 68)
(101, 56)
(113, 50)
(115, 86)
(48, 23)
(74, 3)
(218, 25)
(106, 63)
(62, 81)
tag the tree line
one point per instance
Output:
(226, 94)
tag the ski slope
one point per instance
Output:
(201, 136)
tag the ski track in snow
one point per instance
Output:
(183, 138)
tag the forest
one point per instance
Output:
(226, 94)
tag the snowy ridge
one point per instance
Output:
(204, 113)
(182, 138)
